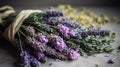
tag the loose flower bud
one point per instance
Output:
(73, 55)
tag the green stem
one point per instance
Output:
(20, 42)
(41, 31)
(22, 33)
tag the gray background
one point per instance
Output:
(34, 3)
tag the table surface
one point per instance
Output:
(7, 59)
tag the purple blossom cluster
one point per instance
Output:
(60, 45)
(42, 38)
(65, 31)
(39, 44)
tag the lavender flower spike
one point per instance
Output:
(25, 57)
(35, 62)
(54, 13)
(36, 45)
(73, 55)
(58, 43)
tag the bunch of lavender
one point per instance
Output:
(53, 22)
(50, 26)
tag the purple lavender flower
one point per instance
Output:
(72, 33)
(30, 30)
(29, 59)
(98, 32)
(40, 55)
(53, 20)
(42, 38)
(58, 43)
(64, 30)
(69, 23)
(73, 55)
(35, 44)
(35, 62)
(54, 13)
(26, 59)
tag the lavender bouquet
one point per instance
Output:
(49, 34)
